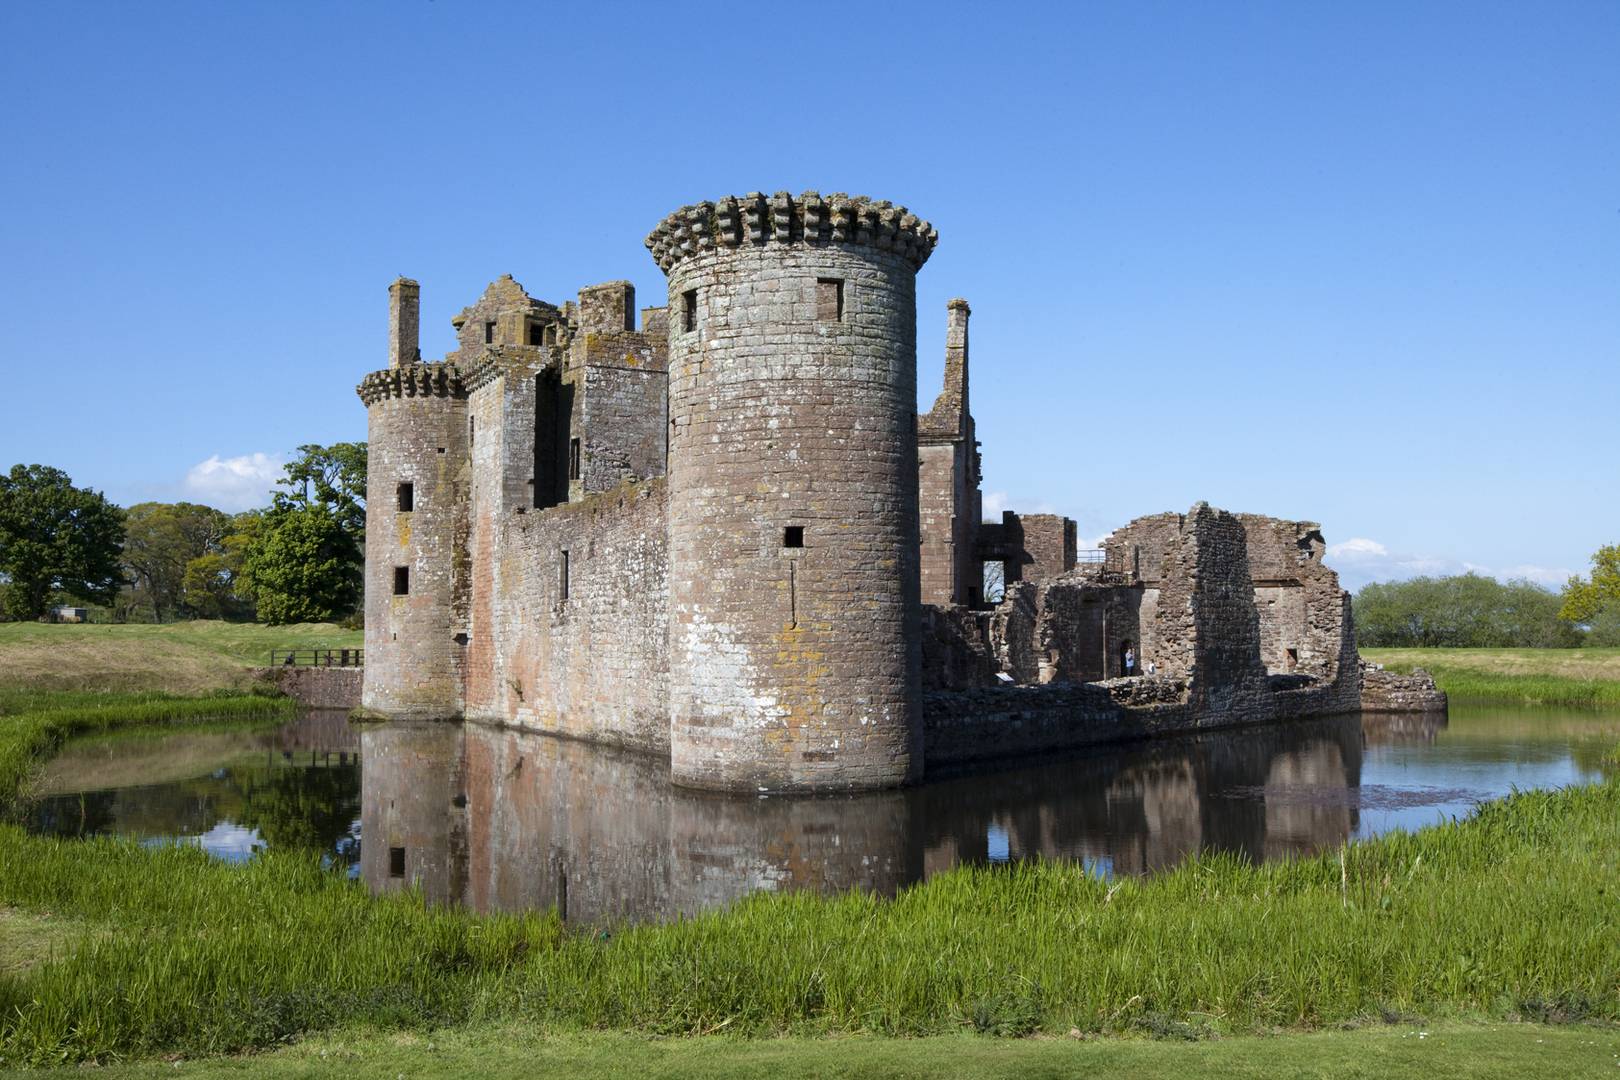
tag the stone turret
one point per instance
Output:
(416, 507)
(793, 545)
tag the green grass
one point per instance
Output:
(1447, 1051)
(1588, 677)
(177, 658)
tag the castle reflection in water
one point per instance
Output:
(500, 820)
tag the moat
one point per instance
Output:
(496, 819)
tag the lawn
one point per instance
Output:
(176, 658)
(1447, 1051)
(1533, 676)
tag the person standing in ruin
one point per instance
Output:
(1130, 661)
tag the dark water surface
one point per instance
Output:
(500, 820)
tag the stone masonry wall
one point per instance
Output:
(417, 436)
(592, 664)
(793, 492)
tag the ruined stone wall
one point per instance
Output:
(417, 436)
(622, 386)
(1207, 623)
(625, 426)
(948, 480)
(593, 663)
(793, 492)
(1050, 544)
(940, 503)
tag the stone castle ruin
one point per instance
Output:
(722, 533)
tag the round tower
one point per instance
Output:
(415, 503)
(793, 551)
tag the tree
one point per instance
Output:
(213, 586)
(55, 537)
(1596, 602)
(160, 542)
(330, 476)
(1463, 611)
(302, 567)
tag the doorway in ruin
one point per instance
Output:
(1132, 665)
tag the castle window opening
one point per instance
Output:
(407, 498)
(829, 299)
(1293, 658)
(995, 581)
(472, 428)
(562, 575)
(551, 334)
(573, 459)
(402, 581)
(396, 862)
(689, 310)
(793, 536)
(536, 334)
(489, 333)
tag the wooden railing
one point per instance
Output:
(317, 658)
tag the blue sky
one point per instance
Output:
(1352, 263)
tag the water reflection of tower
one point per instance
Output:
(413, 820)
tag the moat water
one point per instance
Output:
(495, 819)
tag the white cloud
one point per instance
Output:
(1357, 548)
(234, 483)
(1360, 560)
(991, 504)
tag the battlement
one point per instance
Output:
(809, 218)
(412, 381)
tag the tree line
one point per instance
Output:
(1472, 611)
(301, 559)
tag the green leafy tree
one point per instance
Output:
(56, 538)
(214, 586)
(1463, 611)
(330, 476)
(302, 567)
(160, 542)
(1595, 601)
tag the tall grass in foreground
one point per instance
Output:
(1464, 682)
(34, 723)
(1508, 912)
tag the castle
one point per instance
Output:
(724, 534)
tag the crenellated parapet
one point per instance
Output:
(412, 381)
(809, 218)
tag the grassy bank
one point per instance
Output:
(175, 658)
(1431, 1052)
(1531, 676)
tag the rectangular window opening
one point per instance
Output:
(489, 333)
(402, 581)
(830, 299)
(793, 536)
(396, 862)
(472, 429)
(573, 459)
(689, 310)
(537, 332)
(407, 498)
(1293, 659)
(562, 575)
